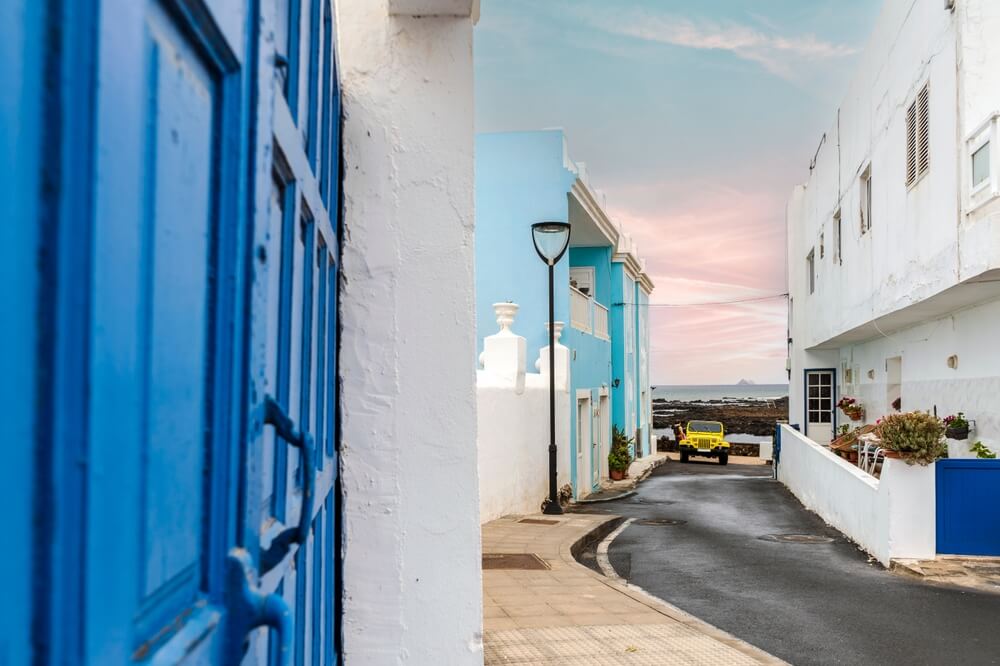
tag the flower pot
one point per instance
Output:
(892, 454)
(957, 433)
(856, 417)
(617, 474)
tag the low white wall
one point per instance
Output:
(513, 441)
(890, 518)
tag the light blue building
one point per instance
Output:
(527, 177)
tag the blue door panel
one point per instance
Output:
(199, 308)
(968, 497)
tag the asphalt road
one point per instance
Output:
(807, 603)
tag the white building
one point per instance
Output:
(894, 240)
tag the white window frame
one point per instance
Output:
(866, 200)
(587, 275)
(811, 270)
(988, 132)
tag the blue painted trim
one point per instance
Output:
(63, 341)
(958, 528)
(305, 368)
(294, 56)
(322, 377)
(312, 121)
(326, 128)
(316, 624)
(833, 395)
(288, 240)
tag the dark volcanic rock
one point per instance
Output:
(750, 417)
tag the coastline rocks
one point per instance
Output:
(745, 416)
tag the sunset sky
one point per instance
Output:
(696, 119)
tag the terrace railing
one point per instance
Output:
(579, 310)
(601, 322)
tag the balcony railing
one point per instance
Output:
(601, 322)
(579, 310)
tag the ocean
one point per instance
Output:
(720, 391)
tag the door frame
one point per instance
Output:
(805, 398)
(582, 464)
(604, 425)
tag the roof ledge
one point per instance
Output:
(454, 8)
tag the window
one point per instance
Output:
(918, 136)
(583, 279)
(866, 200)
(981, 165)
(838, 257)
(811, 270)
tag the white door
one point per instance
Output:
(583, 445)
(604, 433)
(819, 405)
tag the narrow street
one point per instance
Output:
(820, 602)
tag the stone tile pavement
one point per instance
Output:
(981, 573)
(568, 614)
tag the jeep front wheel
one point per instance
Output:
(723, 458)
(684, 456)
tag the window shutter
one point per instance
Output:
(923, 130)
(911, 144)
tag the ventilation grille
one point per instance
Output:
(918, 153)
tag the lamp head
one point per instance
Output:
(551, 240)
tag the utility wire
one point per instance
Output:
(695, 305)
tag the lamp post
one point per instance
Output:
(551, 240)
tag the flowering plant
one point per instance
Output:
(957, 426)
(956, 421)
(852, 408)
(917, 437)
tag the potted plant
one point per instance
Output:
(956, 426)
(914, 437)
(619, 458)
(850, 406)
(982, 451)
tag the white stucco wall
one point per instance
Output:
(513, 443)
(411, 547)
(890, 518)
(513, 421)
(911, 272)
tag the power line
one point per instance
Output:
(696, 305)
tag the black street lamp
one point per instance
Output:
(551, 240)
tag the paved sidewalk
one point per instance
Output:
(981, 573)
(564, 613)
(638, 471)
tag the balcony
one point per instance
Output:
(579, 310)
(601, 322)
(587, 315)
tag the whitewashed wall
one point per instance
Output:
(928, 382)
(513, 422)
(890, 518)
(513, 442)
(411, 546)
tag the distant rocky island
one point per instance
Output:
(746, 382)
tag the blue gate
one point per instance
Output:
(170, 179)
(968, 507)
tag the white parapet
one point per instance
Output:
(504, 353)
(562, 360)
(891, 518)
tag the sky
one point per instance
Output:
(696, 120)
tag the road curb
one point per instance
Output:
(568, 553)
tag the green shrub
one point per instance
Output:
(918, 437)
(619, 458)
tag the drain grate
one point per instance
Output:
(538, 521)
(797, 538)
(661, 521)
(518, 561)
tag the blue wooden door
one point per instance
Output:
(968, 507)
(173, 165)
(161, 487)
(292, 495)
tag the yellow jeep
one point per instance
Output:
(704, 438)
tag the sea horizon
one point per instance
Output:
(690, 392)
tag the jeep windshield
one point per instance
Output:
(705, 426)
